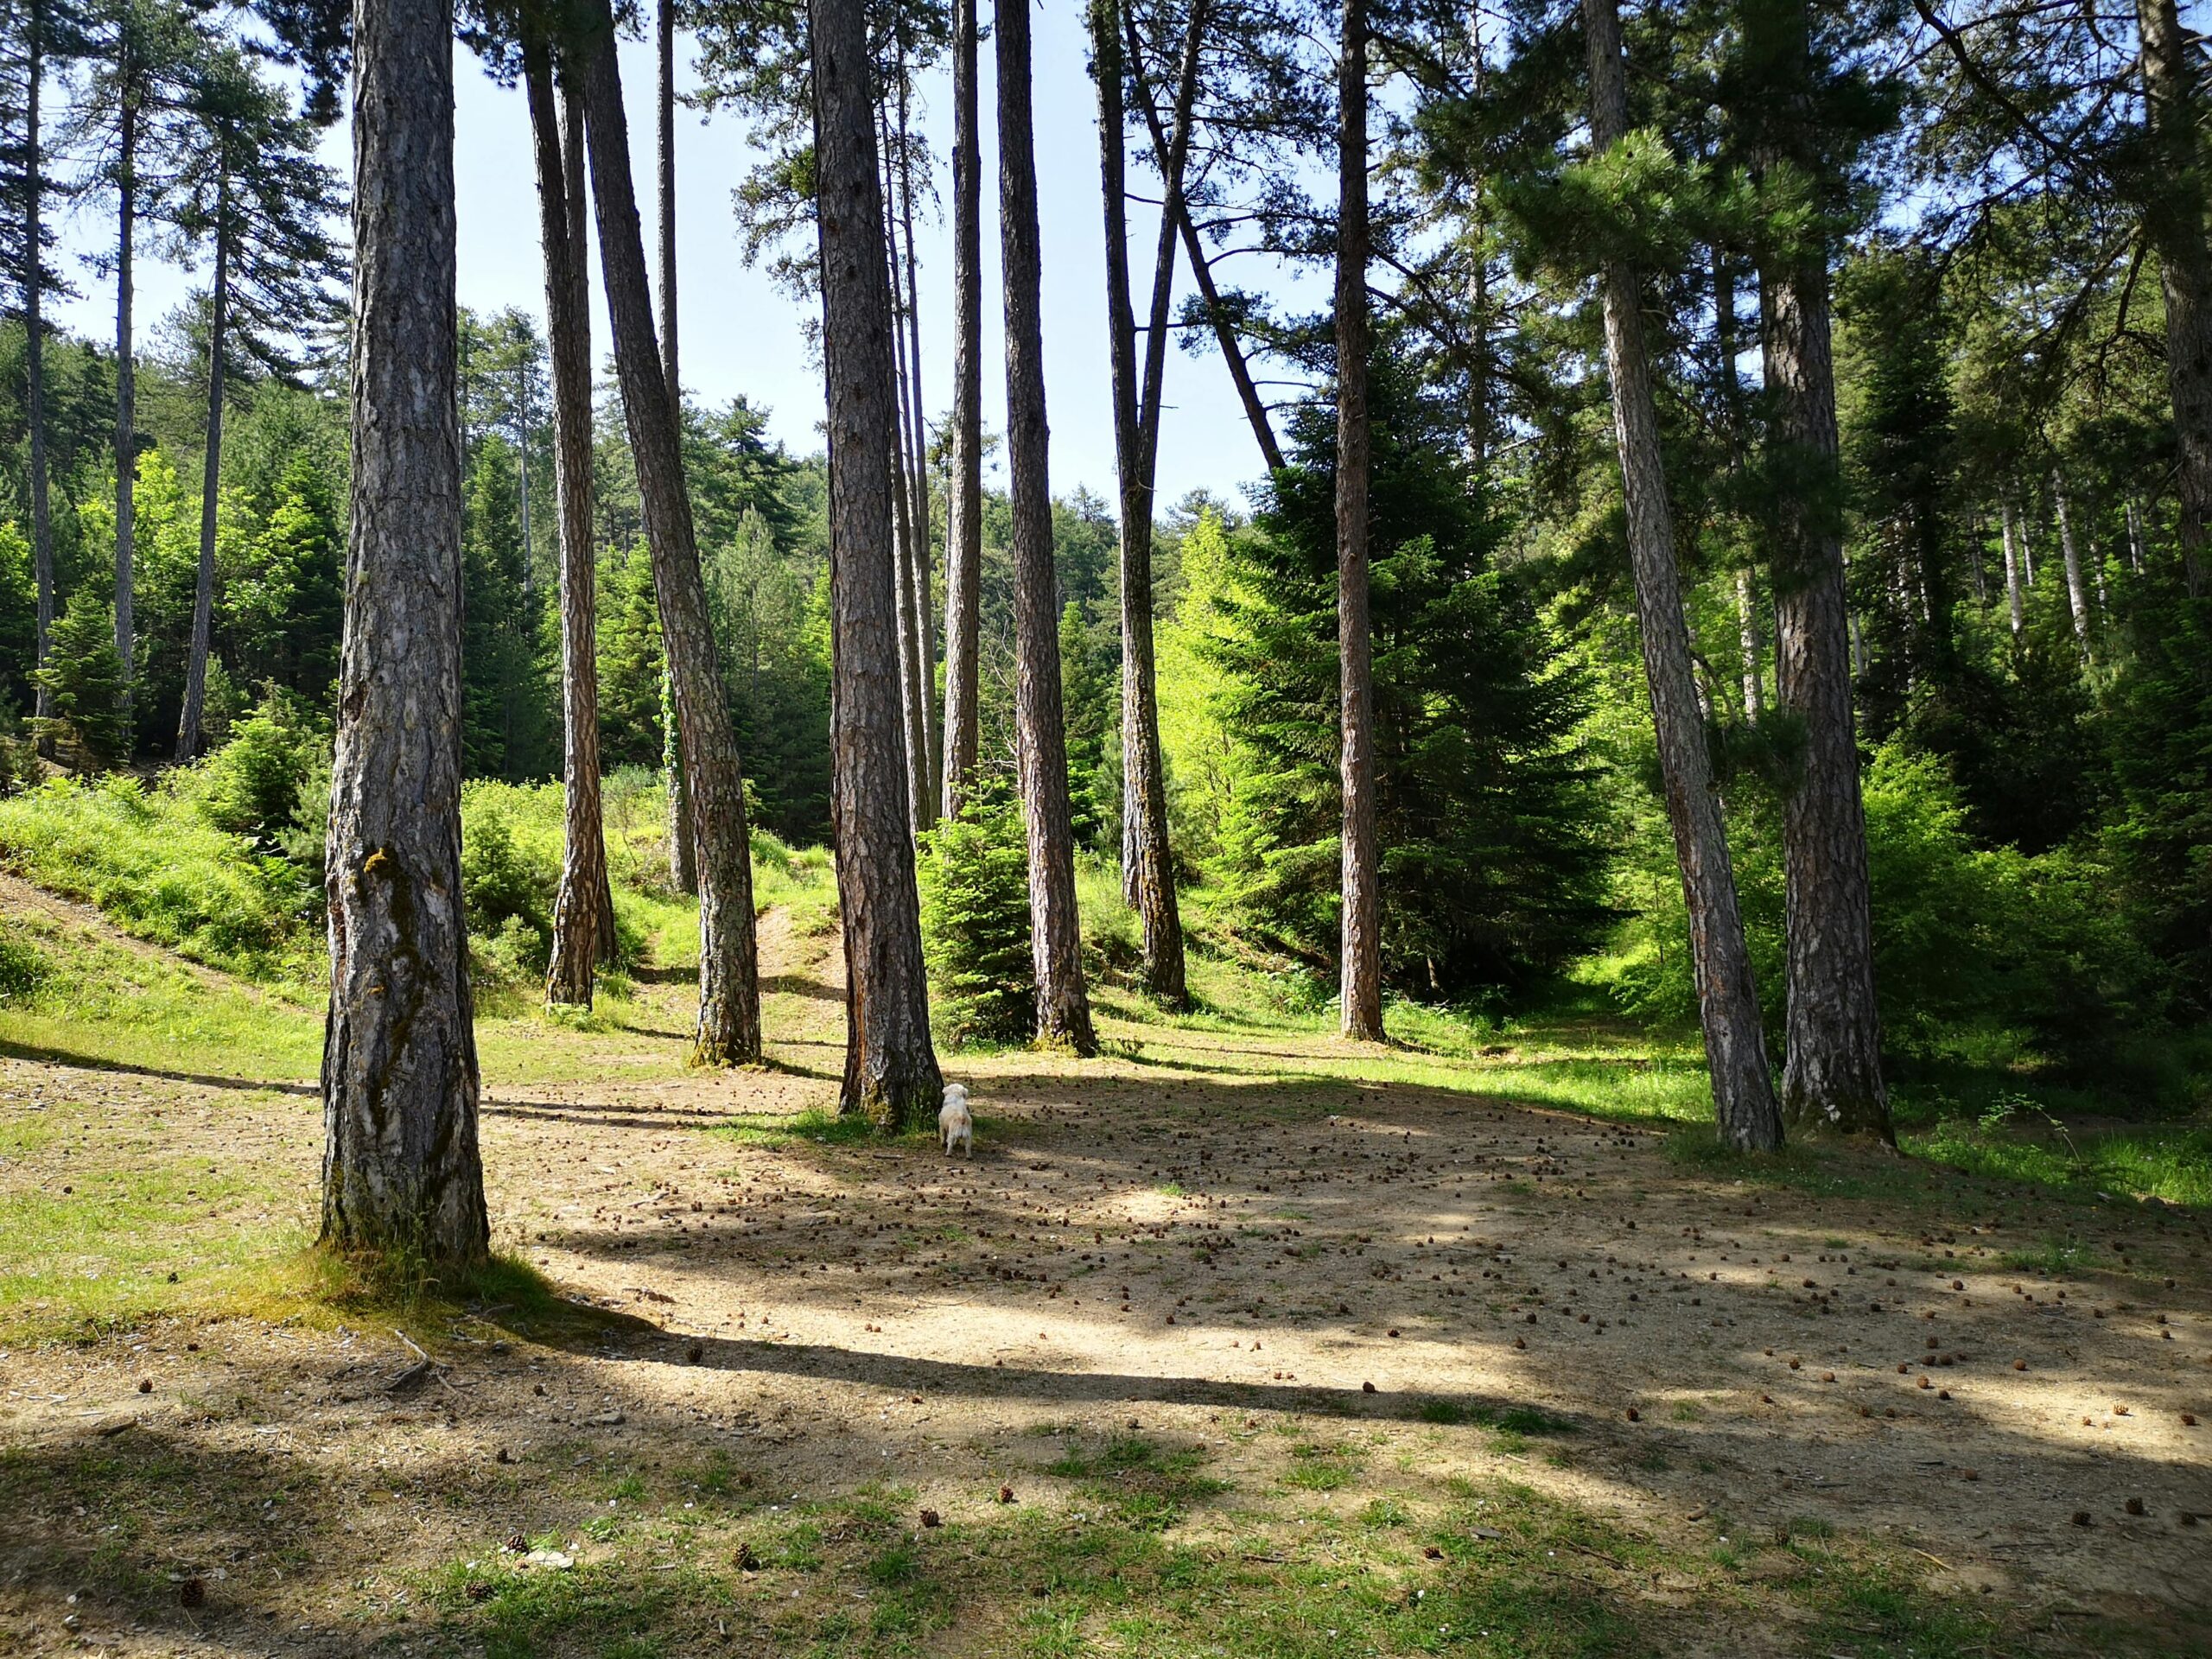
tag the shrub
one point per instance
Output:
(499, 883)
(23, 969)
(974, 883)
(83, 678)
(256, 785)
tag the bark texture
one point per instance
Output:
(1832, 1079)
(2174, 221)
(126, 368)
(1728, 1007)
(963, 507)
(557, 134)
(1360, 954)
(891, 1071)
(729, 991)
(1147, 868)
(33, 285)
(1062, 1002)
(401, 1173)
(203, 600)
(682, 834)
(917, 478)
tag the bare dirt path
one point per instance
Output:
(1214, 1241)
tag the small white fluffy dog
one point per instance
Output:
(953, 1123)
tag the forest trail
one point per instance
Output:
(1225, 1293)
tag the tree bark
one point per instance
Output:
(126, 381)
(1360, 961)
(963, 507)
(203, 600)
(2078, 601)
(33, 280)
(682, 833)
(1062, 1003)
(2174, 221)
(891, 1071)
(918, 480)
(557, 134)
(401, 1173)
(2134, 536)
(1832, 1079)
(1148, 871)
(913, 697)
(729, 991)
(2013, 598)
(1728, 1007)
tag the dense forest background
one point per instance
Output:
(2030, 656)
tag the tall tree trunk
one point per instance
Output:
(1148, 871)
(203, 600)
(1728, 1006)
(918, 479)
(1832, 1079)
(2134, 536)
(556, 134)
(34, 286)
(1360, 962)
(126, 383)
(913, 697)
(963, 505)
(2013, 599)
(2174, 221)
(1056, 930)
(891, 1071)
(1232, 349)
(1750, 647)
(2078, 601)
(401, 1173)
(682, 832)
(729, 990)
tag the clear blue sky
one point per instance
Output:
(740, 335)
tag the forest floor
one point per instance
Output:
(1237, 1340)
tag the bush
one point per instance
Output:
(256, 785)
(974, 883)
(500, 884)
(83, 678)
(23, 969)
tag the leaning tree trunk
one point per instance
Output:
(919, 484)
(34, 287)
(729, 991)
(401, 1174)
(891, 1071)
(126, 384)
(1832, 1079)
(2174, 222)
(203, 600)
(1360, 969)
(682, 834)
(1062, 1003)
(914, 716)
(1148, 872)
(1728, 1006)
(963, 506)
(556, 137)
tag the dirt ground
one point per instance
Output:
(1209, 1233)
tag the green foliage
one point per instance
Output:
(152, 862)
(975, 891)
(256, 785)
(506, 894)
(23, 968)
(84, 679)
(1491, 830)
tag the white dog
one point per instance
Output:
(953, 1123)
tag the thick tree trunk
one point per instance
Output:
(963, 506)
(1728, 1007)
(2077, 600)
(34, 285)
(203, 600)
(2013, 599)
(557, 134)
(401, 1174)
(729, 991)
(126, 383)
(2174, 220)
(1056, 930)
(1148, 871)
(1832, 1079)
(1360, 963)
(891, 1071)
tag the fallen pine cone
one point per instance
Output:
(193, 1593)
(1006, 1494)
(931, 1518)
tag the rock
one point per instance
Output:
(608, 1420)
(551, 1559)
